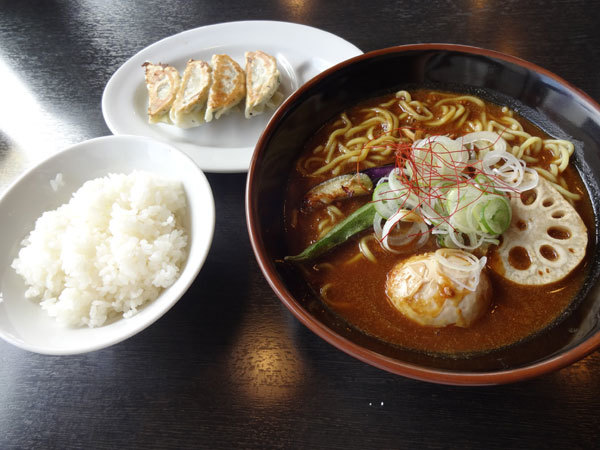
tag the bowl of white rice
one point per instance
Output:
(98, 242)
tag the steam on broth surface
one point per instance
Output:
(460, 176)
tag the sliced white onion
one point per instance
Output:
(509, 175)
(475, 239)
(393, 239)
(404, 202)
(529, 182)
(418, 230)
(469, 263)
(465, 273)
(429, 214)
(470, 140)
(491, 240)
(460, 220)
(386, 178)
(388, 206)
(439, 230)
(394, 179)
(377, 228)
(439, 156)
(402, 215)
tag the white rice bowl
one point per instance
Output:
(113, 248)
(23, 322)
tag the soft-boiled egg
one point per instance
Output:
(441, 288)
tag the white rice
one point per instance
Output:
(114, 247)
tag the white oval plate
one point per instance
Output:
(22, 321)
(224, 145)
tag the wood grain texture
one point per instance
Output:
(229, 366)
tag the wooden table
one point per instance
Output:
(229, 366)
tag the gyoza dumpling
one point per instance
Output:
(228, 87)
(162, 82)
(190, 103)
(262, 81)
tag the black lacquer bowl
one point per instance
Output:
(540, 96)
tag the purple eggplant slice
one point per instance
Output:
(377, 173)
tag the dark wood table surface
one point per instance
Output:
(229, 366)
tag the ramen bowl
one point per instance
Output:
(544, 99)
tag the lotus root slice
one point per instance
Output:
(546, 239)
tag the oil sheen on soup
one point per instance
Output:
(439, 222)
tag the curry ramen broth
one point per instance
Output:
(351, 278)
